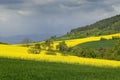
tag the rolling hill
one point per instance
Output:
(103, 27)
(98, 44)
(16, 58)
(17, 51)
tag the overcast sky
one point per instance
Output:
(26, 17)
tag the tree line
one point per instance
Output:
(48, 45)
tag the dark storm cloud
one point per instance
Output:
(51, 16)
(11, 1)
(66, 6)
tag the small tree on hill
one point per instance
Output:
(49, 43)
(117, 48)
(62, 46)
(35, 49)
(84, 52)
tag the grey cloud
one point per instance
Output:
(62, 6)
(11, 1)
(56, 16)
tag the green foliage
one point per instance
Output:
(14, 69)
(51, 52)
(43, 45)
(99, 44)
(48, 44)
(109, 54)
(116, 26)
(84, 52)
(101, 52)
(3, 43)
(62, 46)
(103, 38)
(37, 46)
(117, 58)
(117, 48)
(35, 49)
(115, 37)
(53, 37)
(105, 49)
(103, 27)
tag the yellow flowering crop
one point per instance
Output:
(74, 42)
(16, 51)
(21, 53)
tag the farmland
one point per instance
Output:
(16, 69)
(16, 51)
(17, 64)
(74, 42)
(99, 44)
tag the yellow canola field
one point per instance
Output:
(74, 42)
(16, 51)
(10, 51)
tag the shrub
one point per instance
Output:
(117, 58)
(109, 54)
(115, 37)
(35, 49)
(62, 46)
(101, 52)
(84, 52)
(51, 52)
(103, 38)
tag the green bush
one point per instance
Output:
(51, 52)
(35, 49)
(115, 37)
(84, 52)
(117, 58)
(62, 46)
(103, 38)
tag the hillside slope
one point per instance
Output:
(103, 27)
(74, 42)
(16, 51)
(21, 53)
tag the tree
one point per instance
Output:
(117, 48)
(26, 42)
(49, 43)
(53, 37)
(113, 53)
(62, 46)
(101, 52)
(35, 49)
(84, 52)
(109, 54)
(43, 46)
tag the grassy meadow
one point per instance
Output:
(99, 44)
(16, 69)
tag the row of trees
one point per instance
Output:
(46, 45)
(111, 53)
(36, 48)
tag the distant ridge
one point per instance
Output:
(103, 27)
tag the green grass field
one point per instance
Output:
(99, 44)
(15, 69)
